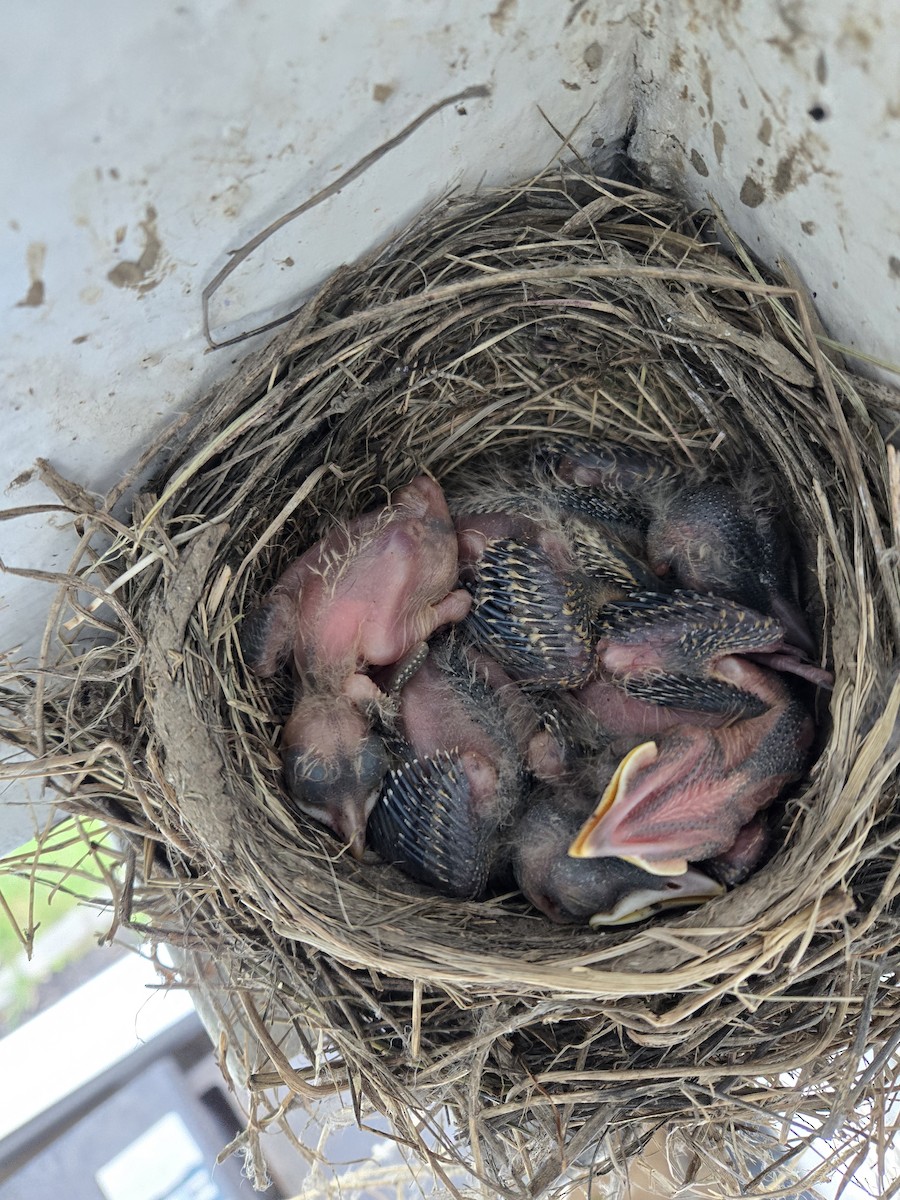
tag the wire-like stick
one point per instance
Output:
(358, 168)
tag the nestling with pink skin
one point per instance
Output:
(665, 648)
(370, 593)
(458, 779)
(600, 891)
(686, 796)
(714, 543)
(610, 485)
(627, 721)
(705, 537)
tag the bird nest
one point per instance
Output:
(522, 1054)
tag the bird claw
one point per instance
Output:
(791, 661)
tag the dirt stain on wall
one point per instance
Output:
(34, 260)
(784, 174)
(593, 56)
(804, 158)
(501, 14)
(752, 193)
(718, 141)
(706, 84)
(142, 274)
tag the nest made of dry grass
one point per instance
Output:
(757, 1021)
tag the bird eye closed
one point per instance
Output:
(372, 762)
(315, 771)
(309, 780)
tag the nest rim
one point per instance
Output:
(360, 392)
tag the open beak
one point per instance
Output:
(621, 797)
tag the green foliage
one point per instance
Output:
(48, 876)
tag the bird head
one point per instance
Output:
(599, 891)
(334, 765)
(666, 803)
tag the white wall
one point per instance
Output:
(728, 104)
(140, 143)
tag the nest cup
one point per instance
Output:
(746, 1027)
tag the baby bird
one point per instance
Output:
(704, 536)
(605, 482)
(532, 607)
(596, 527)
(686, 796)
(457, 783)
(711, 541)
(334, 764)
(604, 891)
(666, 649)
(604, 466)
(368, 594)
(600, 891)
